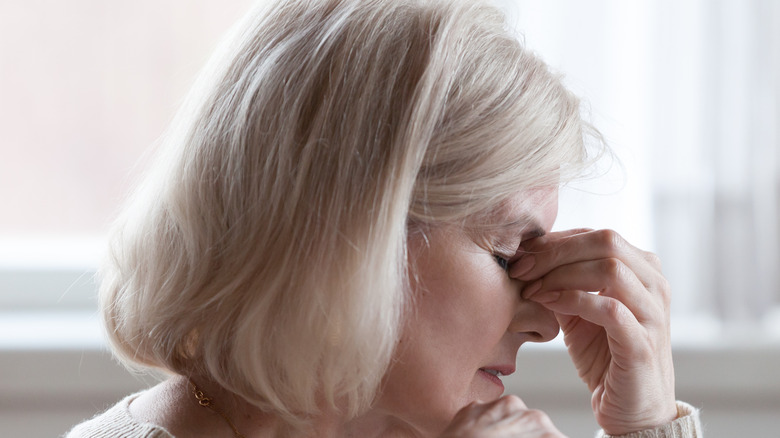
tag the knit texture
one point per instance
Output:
(118, 423)
(687, 425)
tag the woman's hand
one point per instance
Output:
(618, 337)
(507, 417)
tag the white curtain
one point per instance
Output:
(688, 95)
(722, 215)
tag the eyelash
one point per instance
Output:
(502, 262)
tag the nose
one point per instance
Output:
(536, 322)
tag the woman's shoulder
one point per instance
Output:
(117, 422)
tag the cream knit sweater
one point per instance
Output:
(118, 423)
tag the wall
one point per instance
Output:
(43, 392)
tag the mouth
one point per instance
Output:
(494, 374)
(499, 370)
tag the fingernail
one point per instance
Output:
(547, 297)
(531, 289)
(524, 265)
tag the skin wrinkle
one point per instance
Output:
(458, 285)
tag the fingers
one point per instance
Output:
(555, 249)
(607, 312)
(610, 276)
(505, 417)
(594, 261)
(632, 293)
(618, 337)
(499, 409)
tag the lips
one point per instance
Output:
(499, 370)
(494, 373)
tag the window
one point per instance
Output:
(86, 86)
(686, 93)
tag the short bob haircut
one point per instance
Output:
(266, 248)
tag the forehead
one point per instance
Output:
(534, 209)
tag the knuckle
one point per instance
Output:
(616, 311)
(535, 415)
(665, 291)
(613, 268)
(653, 260)
(513, 402)
(610, 240)
(507, 403)
(538, 417)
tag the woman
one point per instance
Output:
(348, 234)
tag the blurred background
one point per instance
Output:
(687, 93)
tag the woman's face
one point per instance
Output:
(467, 320)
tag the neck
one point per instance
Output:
(251, 422)
(378, 424)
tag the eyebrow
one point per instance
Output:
(534, 231)
(529, 223)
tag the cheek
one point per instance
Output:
(458, 306)
(461, 312)
(435, 371)
(460, 309)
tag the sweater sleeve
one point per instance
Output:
(687, 425)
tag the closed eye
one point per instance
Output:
(504, 263)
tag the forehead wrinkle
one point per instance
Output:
(508, 226)
(511, 216)
(527, 226)
(522, 216)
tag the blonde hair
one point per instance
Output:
(267, 247)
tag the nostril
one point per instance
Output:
(534, 323)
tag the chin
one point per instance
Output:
(434, 421)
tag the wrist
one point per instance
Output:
(655, 419)
(685, 423)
